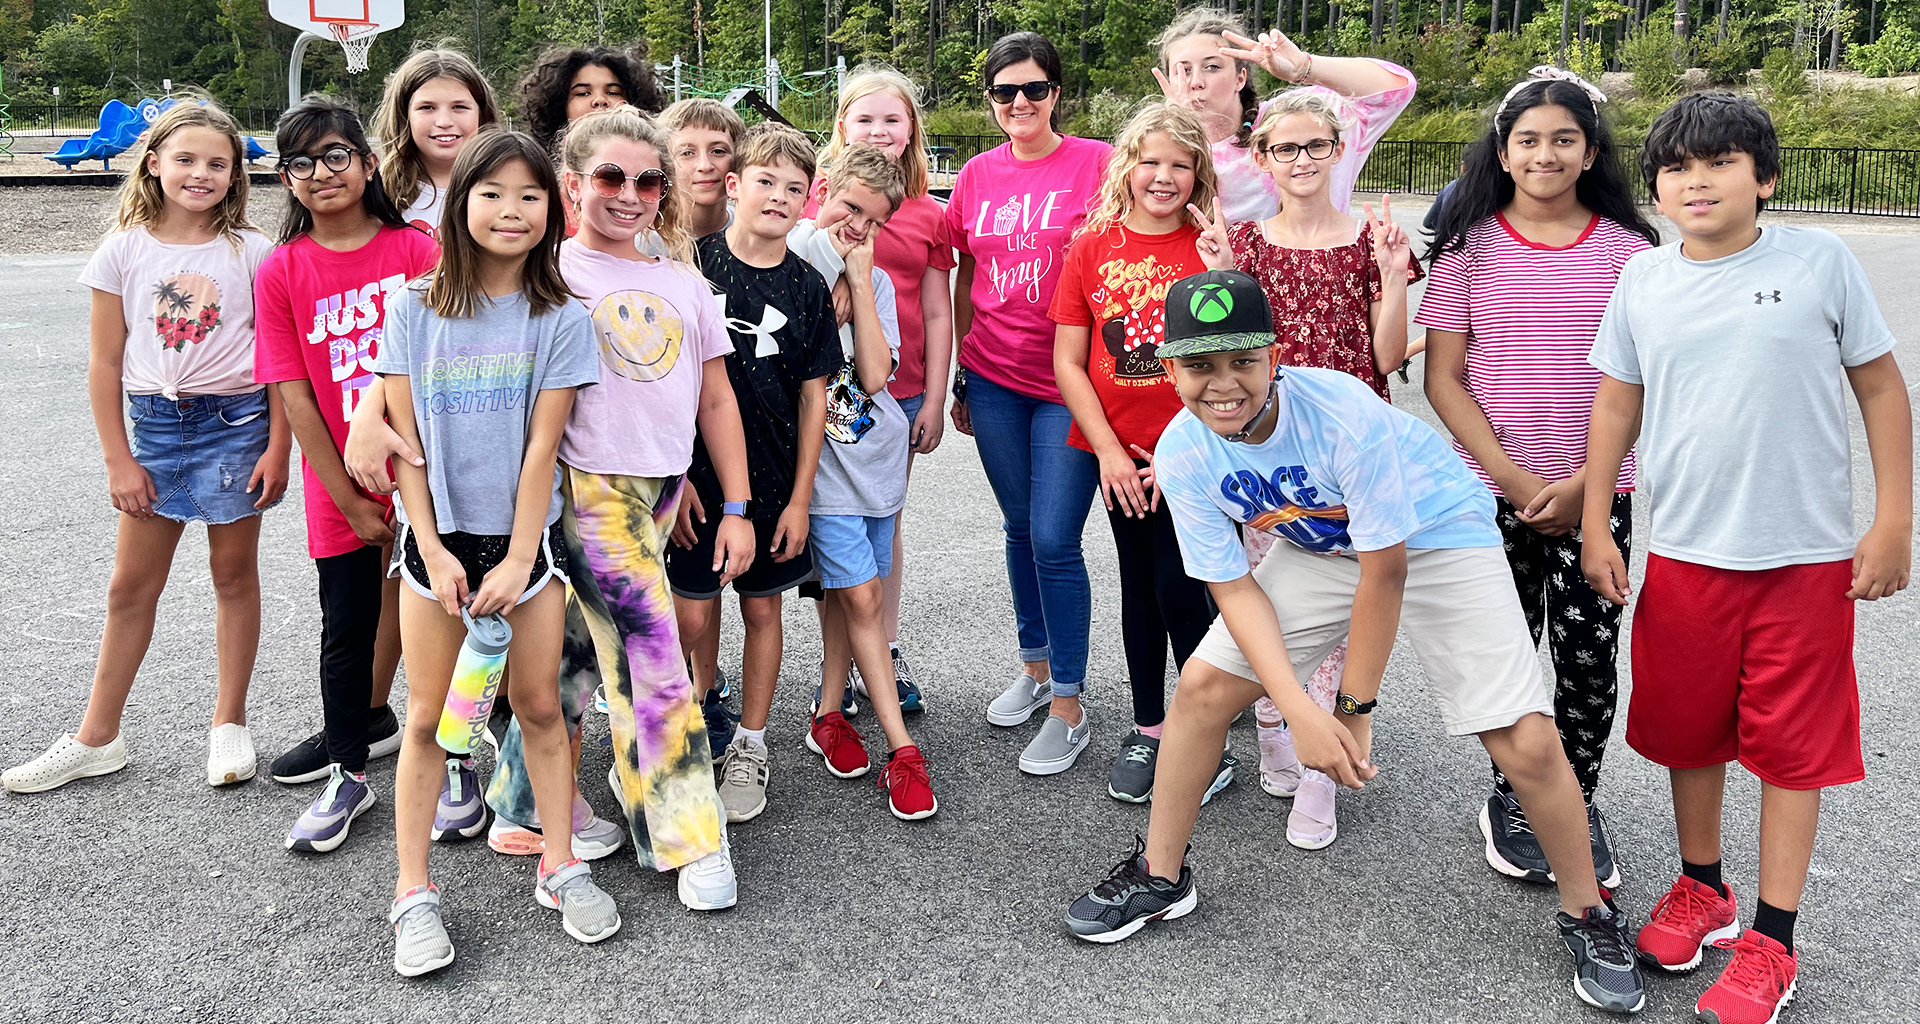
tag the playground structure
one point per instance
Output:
(120, 128)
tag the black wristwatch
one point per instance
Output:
(1349, 706)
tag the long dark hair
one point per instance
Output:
(300, 129)
(455, 287)
(1485, 188)
(543, 93)
(1009, 50)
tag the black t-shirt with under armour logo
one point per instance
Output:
(784, 334)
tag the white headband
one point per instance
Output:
(1549, 73)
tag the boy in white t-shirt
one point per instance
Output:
(1386, 529)
(1724, 354)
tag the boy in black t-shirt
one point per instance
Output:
(785, 347)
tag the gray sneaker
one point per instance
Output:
(743, 779)
(586, 911)
(1057, 746)
(420, 940)
(1020, 701)
(1131, 779)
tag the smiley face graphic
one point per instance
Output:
(640, 334)
(186, 309)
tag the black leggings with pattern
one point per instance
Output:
(1583, 633)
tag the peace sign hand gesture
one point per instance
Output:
(1215, 251)
(1392, 249)
(1273, 51)
(1177, 88)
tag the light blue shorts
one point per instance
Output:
(850, 550)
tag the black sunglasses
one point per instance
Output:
(1035, 91)
(609, 179)
(337, 159)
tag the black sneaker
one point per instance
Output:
(903, 681)
(306, 762)
(1605, 971)
(383, 732)
(1605, 870)
(1131, 779)
(720, 722)
(1512, 848)
(1129, 898)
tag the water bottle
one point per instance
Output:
(476, 680)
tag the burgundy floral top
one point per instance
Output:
(1320, 300)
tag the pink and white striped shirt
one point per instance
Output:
(1530, 313)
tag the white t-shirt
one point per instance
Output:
(1342, 472)
(425, 211)
(1744, 452)
(188, 309)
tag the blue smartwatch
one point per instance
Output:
(733, 508)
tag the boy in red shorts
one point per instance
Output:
(1724, 355)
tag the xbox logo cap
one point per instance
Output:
(1216, 311)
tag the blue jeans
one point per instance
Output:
(1045, 490)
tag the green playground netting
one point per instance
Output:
(807, 99)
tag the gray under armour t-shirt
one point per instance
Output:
(1744, 451)
(474, 381)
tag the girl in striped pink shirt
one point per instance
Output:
(1528, 250)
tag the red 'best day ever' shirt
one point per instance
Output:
(1116, 283)
(317, 317)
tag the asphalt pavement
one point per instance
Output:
(147, 896)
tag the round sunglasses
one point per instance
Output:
(1035, 91)
(608, 179)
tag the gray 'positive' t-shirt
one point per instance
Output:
(1744, 451)
(474, 381)
(863, 464)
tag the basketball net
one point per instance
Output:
(356, 39)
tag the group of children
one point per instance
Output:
(607, 369)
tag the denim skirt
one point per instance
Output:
(200, 452)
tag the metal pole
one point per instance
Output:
(676, 78)
(773, 73)
(293, 65)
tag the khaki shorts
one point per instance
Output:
(1460, 611)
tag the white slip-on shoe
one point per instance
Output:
(68, 759)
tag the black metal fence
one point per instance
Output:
(45, 119)
(1869, 182)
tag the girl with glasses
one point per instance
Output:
(1013, 210)
(1206, 64)
(1338, 291)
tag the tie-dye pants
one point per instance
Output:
(621, 627)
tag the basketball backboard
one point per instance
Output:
(351, 23)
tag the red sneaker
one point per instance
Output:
(1689, 918)
(1757, 984)
(909, 793)
(839, 745)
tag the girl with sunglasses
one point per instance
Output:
(1013, 211)
(320, 303)
(1338, 291)
(626, 450)
(1206, 64)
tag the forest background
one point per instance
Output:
(1465, 53)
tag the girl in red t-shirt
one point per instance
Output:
(1146, 232)
(881, 107)
(1338, 291)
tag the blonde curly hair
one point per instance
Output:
(1155, 117)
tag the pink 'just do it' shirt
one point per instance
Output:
(1015, 218)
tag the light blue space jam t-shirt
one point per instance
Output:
(1342, 472)
(474, 383)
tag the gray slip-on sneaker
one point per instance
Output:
(1019, 701)
(1057, 746)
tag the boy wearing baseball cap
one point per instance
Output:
(1386, 529)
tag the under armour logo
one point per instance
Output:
(1761, 297)
(771, 320)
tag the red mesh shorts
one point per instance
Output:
(1754, 666)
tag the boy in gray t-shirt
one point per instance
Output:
(1723, 354)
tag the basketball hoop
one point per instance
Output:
(356, 40)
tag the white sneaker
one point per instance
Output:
(1279, 765)
(597, 838)
(68, 759)
(619, 794)
(708, 883)
(230, 756)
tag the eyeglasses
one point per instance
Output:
(1287, 152)
(609, 179)
(337, 159)
(1035, 91)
